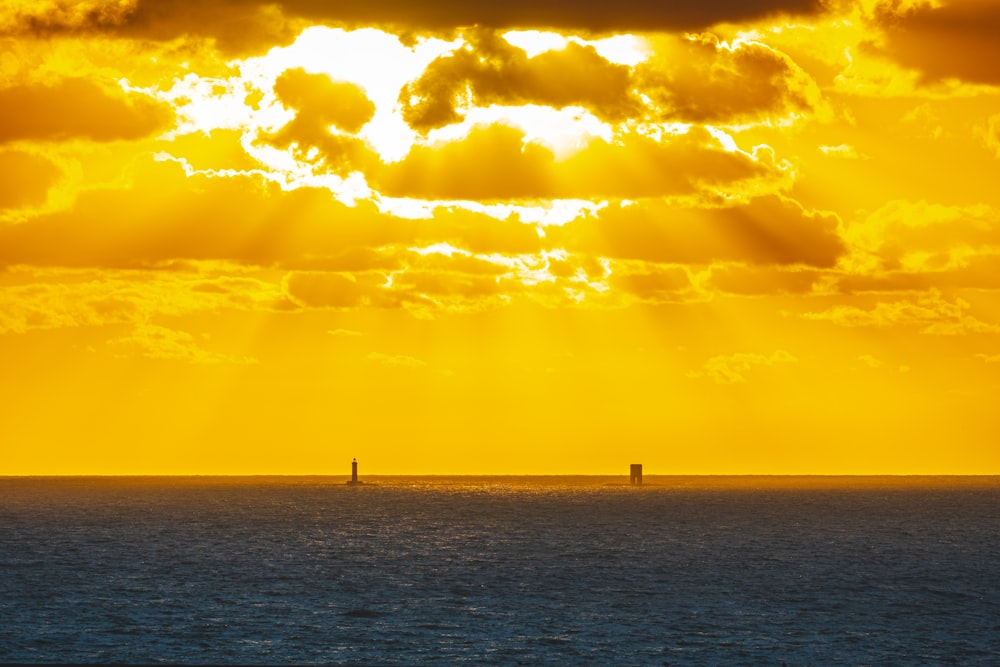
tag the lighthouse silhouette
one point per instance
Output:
(354, 474)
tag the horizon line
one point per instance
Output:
(503, 474)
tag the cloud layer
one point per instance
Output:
(236, 22)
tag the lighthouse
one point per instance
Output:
(354, 474)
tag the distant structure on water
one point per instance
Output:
(354, 473)
(635, 474)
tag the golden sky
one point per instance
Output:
(533, 236)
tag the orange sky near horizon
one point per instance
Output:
(546, 237)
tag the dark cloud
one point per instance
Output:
(76, 108)
(319, 103)
(50, 17)
(569, 14)
(489, 70)
(693, 79)
(700, 80)
(26, 179)
(322, 102)
(956, 40)
(768, 230)
(241, 25)
(236, 26)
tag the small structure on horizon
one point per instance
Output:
(354, 473)
(635, 474)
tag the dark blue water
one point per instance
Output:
(305, 570)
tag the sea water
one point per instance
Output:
(683, 571)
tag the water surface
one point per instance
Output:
(699, 571)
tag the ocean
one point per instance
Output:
(501, 570)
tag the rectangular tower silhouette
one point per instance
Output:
(635, 474)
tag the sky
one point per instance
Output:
(528, 237)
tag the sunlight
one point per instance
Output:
(534, 42)
(564, 131)
(619, 49)
(443, 248)
(206, 104)
(374, 60)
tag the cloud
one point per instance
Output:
(164, 215)
(46, 15)
(931, 313)
(975, 270)
(490, 164)
(324, 289)
(869, 361)
(732, 369)
(956, 39)
(334, 256)
(422, 292)
(690, 79)
(699, 79)
(246, 24)
(568, 14)
(496, 163)
(480, 233)
(320, 103)
(77, 109)
(219, 151)
(26, 179)
(432, 281)
(445, 283)
(342, 333)
(920, 236)
(156, 342)
(488, 70)
(766, 230)
(395, 360)
(749, 280)
(236, 26)
(650, 282)
(54, 299)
